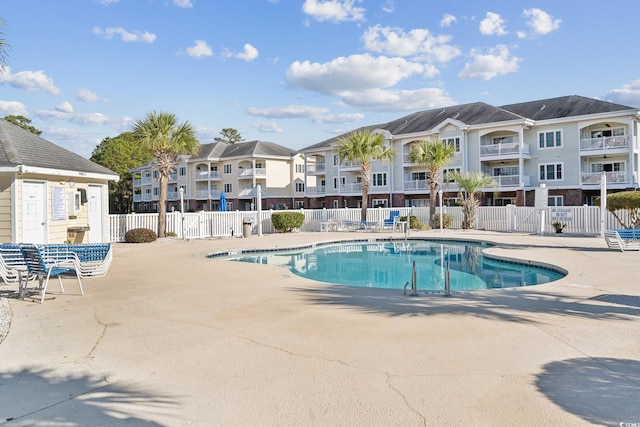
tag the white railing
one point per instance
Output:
(317, 168)
(204, 175)
(585, 220)
(417, 184)
(351, 188)
(606, 143)
(206, 194)
(251, 172)
(612, 177)
(320, 189)
(503, 149)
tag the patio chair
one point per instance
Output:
(44, 268)
(615, 240)
(13, 268)
(89, 260)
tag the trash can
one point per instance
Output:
(246, 227)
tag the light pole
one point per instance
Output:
(181, 191)
(440, 202)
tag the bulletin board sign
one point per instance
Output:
(58, 204)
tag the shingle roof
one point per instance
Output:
(244, 149)
(18, 146)
(565, 106)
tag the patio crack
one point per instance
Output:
(387, 375)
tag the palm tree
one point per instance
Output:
(471, 183)
(434, 156)
(363, 146)
(167, 140)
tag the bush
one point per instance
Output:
(140, 235)
(447, 220)
(171, 234)
(286, 222)
(414, 222)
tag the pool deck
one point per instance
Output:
(171, 338)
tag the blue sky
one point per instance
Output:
(299, 72)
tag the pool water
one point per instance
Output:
(389, 265)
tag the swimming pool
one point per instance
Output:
(389, 264)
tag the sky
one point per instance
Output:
(298, 72)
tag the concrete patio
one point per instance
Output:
(172, 338)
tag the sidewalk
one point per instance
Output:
(170, 337)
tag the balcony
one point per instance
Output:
(205, 176)
(316, 169)
(173, 177)
(593, 178)
(354, 188)
(253, 172)
(172, 195)
(511, 180)
(416, 185)
(504, 150)
(350, 165)
(314, 191)
(600, 145)
(206, 194)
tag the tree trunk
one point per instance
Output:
(433, 197)
(162, 206)
(365, 174)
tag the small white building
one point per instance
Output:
(49, 194)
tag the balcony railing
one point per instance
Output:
(351, 188)
(511, 180)
(173, 177)
(312, 191)
(418, 184)
(606, 143)
(206, 194)
(503, 149)
(350, 165)
(316, 169)
(147, 180)
(251, 172)
(612, 177)
(204, 175)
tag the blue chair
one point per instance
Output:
(394, 218)
(45, 267)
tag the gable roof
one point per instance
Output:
(564, 106)
(19, 147)
(244, 149)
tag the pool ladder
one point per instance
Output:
(414, 281)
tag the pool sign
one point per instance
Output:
(562, 214)
(542, 197)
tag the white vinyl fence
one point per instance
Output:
(200, 225)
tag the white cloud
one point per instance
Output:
(494, 62)
(87, 95)
(185, 4)
(267, 127)
(249, 54)
(288, 112)
(199, 49)
(338, 118)
(540, 21)
(106, 2)
(125, 36)
(492, 24)
(399, 100)
(334, 10)
(419, 41)
(388, 7)
(65, 107)
(447, 20)
(351, 74)
(29, 80)
(13, 108)
(628, 94)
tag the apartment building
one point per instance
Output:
(566, 143)
(232, 169)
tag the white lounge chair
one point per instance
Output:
(615, 241)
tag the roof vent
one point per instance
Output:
(543, 105)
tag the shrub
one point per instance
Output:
(624, 200)
(286, 222)
(414, 222)
(447, 220)
(140, 235)
(171, 234)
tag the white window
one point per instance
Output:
(155, 174)
(555, 201)
(335, 160)
(379, 179)
(335, 181)
(214, 168)
(156, 191)
(379, 203)
(505, 171)
(227, 168)
(299, 168)
(336, 204)
(182, 170)
(228, 188)
(259, 165)
(550, 139)
(418, 176)
(299, 205)
(551, 172)
(503, 201)
(503, 139)
(229, 206)
(453, 141)
(451, 201)
(607, 167)
(300, 187)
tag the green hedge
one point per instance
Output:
(286, 222)
(140, 235)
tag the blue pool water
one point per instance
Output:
(388, 264)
